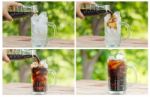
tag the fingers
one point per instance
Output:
(6, 6)
(79, 13)
(7, 16)
(5, 57)
(19, 4)
(14, 4)
(88, 2)
(78, 8)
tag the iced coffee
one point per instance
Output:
(117, 75)
(39, 78)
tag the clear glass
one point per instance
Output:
(95, 7)
(39, 29)
(113, 29)
(117, 76)
(40, 77)
(24, 8)
(22, 11)
(117, 70)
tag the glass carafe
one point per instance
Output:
(117, 73)
(95, 9)
(19, 54)
(39, 29)
(113, 29)
(40, 75)
(22, 11)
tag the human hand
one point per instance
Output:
(6, 6)
(78, 8)
(5, 57)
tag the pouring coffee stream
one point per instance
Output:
(36, 58)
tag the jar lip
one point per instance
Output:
(118, 56)
(35, 8)
(41, 64)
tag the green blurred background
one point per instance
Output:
(60, 61)
(60, 13)
(134, 13)
(92, 64)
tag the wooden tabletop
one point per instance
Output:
(26, 89)
(98, 41)
(94, 87)
(24, 41)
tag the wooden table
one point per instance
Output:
(24, 41)
(93, 87)
(97, 41)
(26, 89)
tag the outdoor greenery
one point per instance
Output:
(133, 13)
(134, 57)
(60, 61)
(60, 13)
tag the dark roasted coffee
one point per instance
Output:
(39, 78)
(20, 14)
(90, 12)
(22, 56)
(18, 56)
(117, 75)
(36, 58)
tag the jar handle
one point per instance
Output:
(135, 73)
(53, 73)
(51, 24)
(127, 29)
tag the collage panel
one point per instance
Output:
(117, 71)
(39, 24)
(38, 71)
(113, 24)
(75, 48)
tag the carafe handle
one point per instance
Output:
(51, 24)
(135, 73)
(127, 29)
(53, 73)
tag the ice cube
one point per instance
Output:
(34, 19)
(39, 19)
(120, 56)
(43, 17)
(113, 21)
(34, 65)
(44, 64)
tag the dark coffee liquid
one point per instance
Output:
(39, 79)
(20, 57)
(117, 75)
(36, 58)
(19, 14)
(90, 12)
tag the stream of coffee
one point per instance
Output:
(36, 58)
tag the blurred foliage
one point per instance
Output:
(136, 57)
(134, 13)
(60, 13)
(60, 61)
